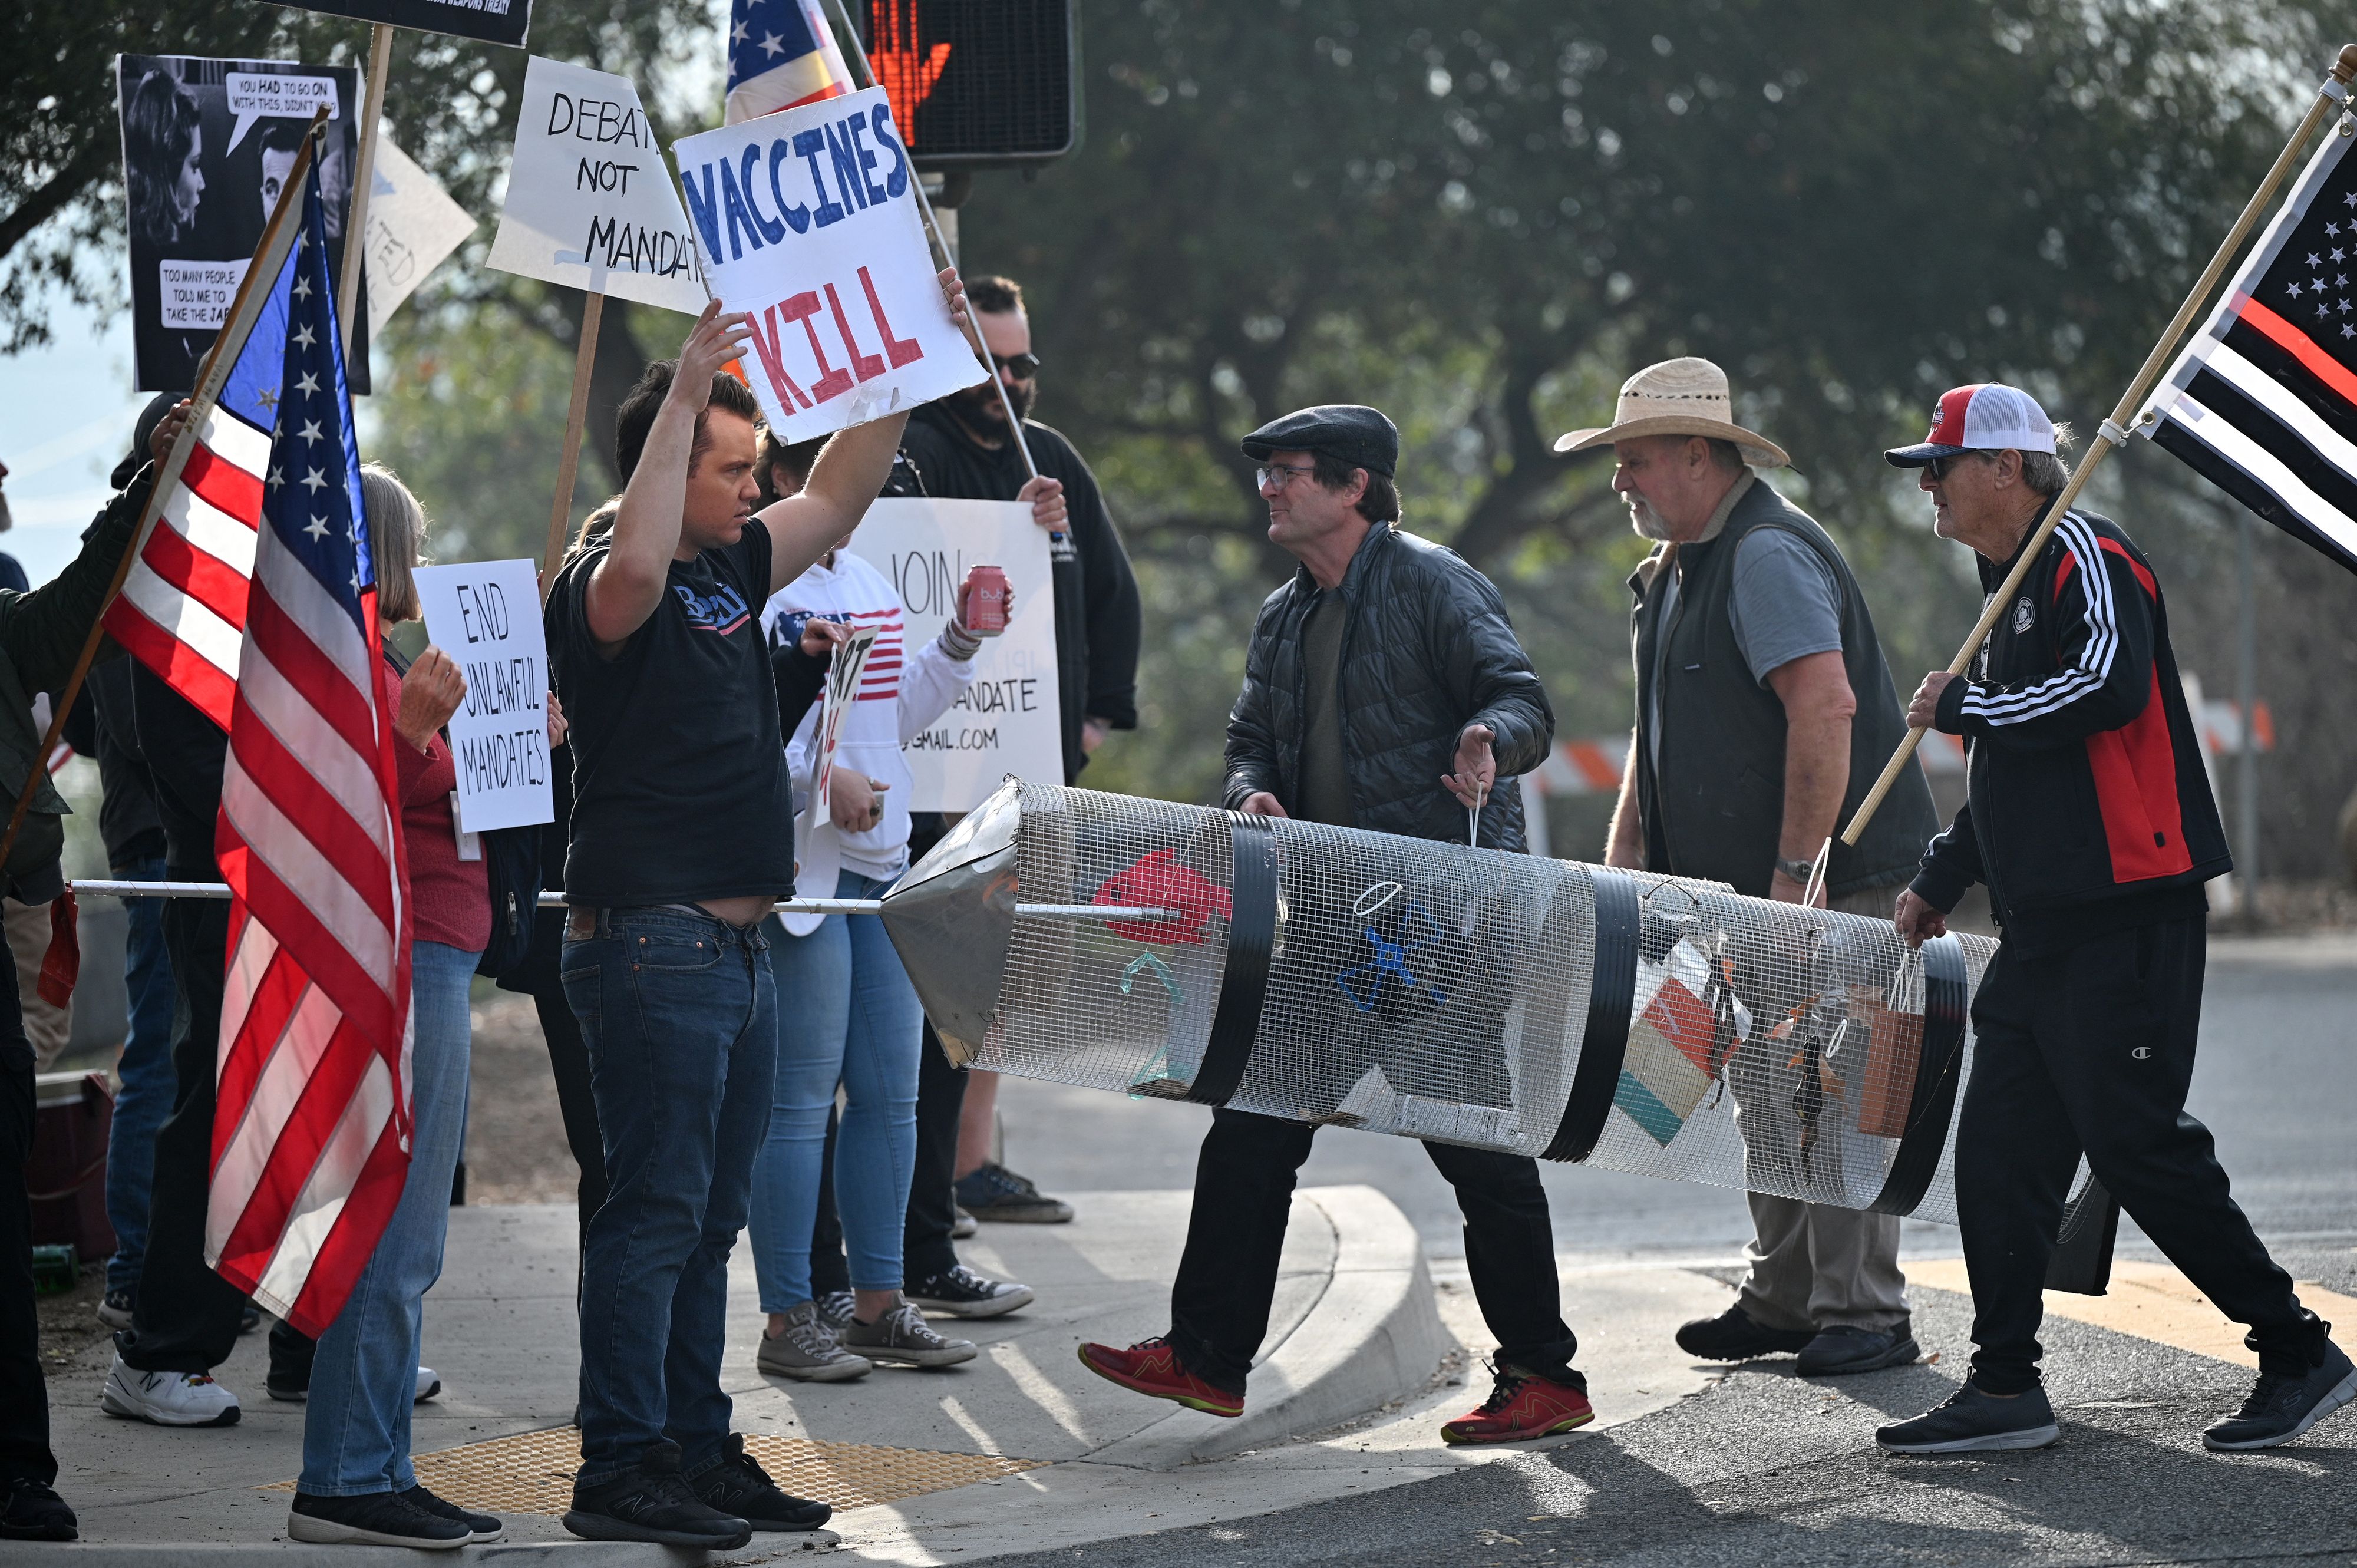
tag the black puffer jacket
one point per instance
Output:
(1428, 650)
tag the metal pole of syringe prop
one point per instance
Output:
(105, 889)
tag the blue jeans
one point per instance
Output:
(356, 1428)
(853, 1019)
(145, 1070)
(680, 1015)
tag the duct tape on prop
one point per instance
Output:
(1947, 999)
(1252, 933)
(1604, 1043)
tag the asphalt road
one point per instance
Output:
(1765, 1467)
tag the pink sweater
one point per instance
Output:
(450, 899)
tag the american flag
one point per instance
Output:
(182, 608)
(880, 678)
(311, 1132)
(780, 54)
(2262, 403)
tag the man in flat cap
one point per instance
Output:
(1764, 714)
(1383, 690)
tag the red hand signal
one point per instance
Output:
(905, 67)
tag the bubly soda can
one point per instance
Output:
(985, 600)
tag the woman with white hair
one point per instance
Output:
(357, 1483)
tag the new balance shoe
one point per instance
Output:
(735, 1483)
(835, 1309)
(650, 1501)
(1842, 1350)
(480, 1526)
(2280, 1408)
(1735, 1335)
(1151, 1367)
(1972, 1422)
(1522, 1406)
(808, 1351)
(428, 1384)
(31, 1511)
(901, 1337)
(167, 1398)
(377, 1518)
(991, 1191)
(963, 1226)
(115, 1310)
(961, 1292)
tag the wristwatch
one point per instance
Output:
(1799, 871)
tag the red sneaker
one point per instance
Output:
(1151, 1367)
(1522, 1406)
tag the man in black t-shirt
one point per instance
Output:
(679, 848)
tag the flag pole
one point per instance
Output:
(2331, 98)
(941, 249)
(253, 291)
(347, 287)
(560, 515)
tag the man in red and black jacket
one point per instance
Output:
(2090, 818)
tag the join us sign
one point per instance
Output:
(807, 222)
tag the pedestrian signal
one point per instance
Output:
(979, 86)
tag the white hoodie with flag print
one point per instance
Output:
(899, 694)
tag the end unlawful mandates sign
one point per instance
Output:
(807, 222)
(486, 616)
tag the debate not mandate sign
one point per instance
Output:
(493, 21)
(1010, 720)
(486, 616)
(589, 203)
(807, 222)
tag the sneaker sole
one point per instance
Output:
(1190, 1400)
(1993, 1443)
(920, 1359)
(997, 1306)
(288, 1396)
(599, 1527)
(328, 1532)
(1905, 1353)
(132, 1411)
(2343, 1392)
(1569, 1424)
(1062, 1216)
(832, 1373)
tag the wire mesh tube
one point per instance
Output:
(1669, 1027)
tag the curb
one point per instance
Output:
(1374, 1335)
(507, 1555)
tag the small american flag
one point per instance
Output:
(312, 1130)
(780, 54)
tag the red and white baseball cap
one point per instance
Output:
(1990, 418)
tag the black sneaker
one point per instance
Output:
(991, 1191)
(249, 1319)
(1733, 1336)
(118, 1309)
(34, 1512)
(961, 1292)
(379, 1519)
(480, 1526)
(1843, 1348)
(1974, 1423)
(735, 1483)
(649, 1501)
(2280, 1408)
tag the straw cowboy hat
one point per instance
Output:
(1677, 397)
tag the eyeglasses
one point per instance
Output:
(1276, 476)
(1023, 366)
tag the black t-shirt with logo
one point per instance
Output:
(679, 772)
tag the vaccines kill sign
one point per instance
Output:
(486, 616)
(807, 222)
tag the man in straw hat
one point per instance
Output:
(1764, 712)
(2089, 817)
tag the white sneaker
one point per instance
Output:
(167, 1398)
(429, 1383)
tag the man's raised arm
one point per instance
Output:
(629, 583)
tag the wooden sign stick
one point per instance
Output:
(2330, 100)
(347, 287)
(560, 515)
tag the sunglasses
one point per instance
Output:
(1940, 468)
(1023, 366)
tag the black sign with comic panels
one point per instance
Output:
(493, 21)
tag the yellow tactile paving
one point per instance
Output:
(2152, 1300)
(531, 1472)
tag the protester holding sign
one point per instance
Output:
(679, 849)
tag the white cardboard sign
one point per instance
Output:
(1010, 720)
(807, 222)
(412, 225)
(486, 616)
(589, 203)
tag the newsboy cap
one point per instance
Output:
(1346, 432)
